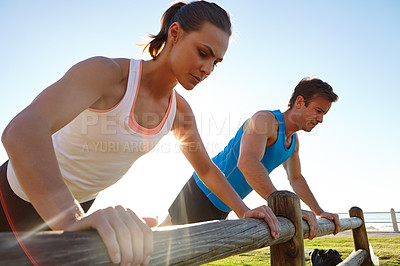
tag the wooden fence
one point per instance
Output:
(389, 215)
(193, 244)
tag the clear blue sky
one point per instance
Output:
(349, 160)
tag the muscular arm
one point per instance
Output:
(191, 145)
(256, 136)
(301, 188)
(256, 133)
(28, 142)
(27, 139)
(298, 182)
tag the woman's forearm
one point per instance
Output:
(217, 183)
(29, 147)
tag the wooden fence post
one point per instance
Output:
(287, 204)
(360, 237)
(394, 220)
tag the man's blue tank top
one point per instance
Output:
(227, 159)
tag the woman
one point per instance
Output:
(56, 168)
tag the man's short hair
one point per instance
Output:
(310, 88)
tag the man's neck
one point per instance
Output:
(291, 126)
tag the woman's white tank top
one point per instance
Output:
(99, 146)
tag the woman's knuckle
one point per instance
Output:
(119, 208)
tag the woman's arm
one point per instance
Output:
(27, 139)
(185, 131)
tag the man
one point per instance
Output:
(265, 141)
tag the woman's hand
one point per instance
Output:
(265, 212)
(128, 240)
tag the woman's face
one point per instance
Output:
(195, 54)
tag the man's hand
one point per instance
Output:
(333, 217)
(265, 212)
(311, 219)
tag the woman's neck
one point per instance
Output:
(157, 78)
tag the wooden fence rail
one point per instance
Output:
(356, 258)
(192, 244)
(370, 219)
(184, 245)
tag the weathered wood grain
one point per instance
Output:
(355, 259)
(287, 204)
(181, 245)
(360, 237)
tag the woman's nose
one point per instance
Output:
(207, 68)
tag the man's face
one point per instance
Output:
(313, 114)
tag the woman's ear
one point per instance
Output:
(175, 31)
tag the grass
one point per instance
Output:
(387, 249)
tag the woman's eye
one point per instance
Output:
(202, 54)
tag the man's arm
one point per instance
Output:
(256, 133)
(298, 182)
(301, 188)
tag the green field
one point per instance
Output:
(387, 249)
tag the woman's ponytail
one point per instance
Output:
(191, 17)
(160, 39)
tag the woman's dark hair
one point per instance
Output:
(190, 17)
(310, 88)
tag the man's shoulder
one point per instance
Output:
(265, 116)
(265, 121)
